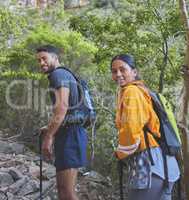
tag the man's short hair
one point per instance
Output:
(49, 49)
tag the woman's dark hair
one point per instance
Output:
(129, 59)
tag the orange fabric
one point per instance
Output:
(134, 110)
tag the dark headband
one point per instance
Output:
(125, 58)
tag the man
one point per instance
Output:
(69, 141)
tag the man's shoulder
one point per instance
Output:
(61, 73)
(61, 78)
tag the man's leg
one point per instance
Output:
(66, 181)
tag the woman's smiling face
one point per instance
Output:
(122, 73)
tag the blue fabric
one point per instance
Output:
(70, 147)
(158, 168)
(139, 170)
(139, 175)
(155, 192)
(70, 141)
(62, 78)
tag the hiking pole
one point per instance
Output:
(37, 133)
(120, 171)
(41, 167)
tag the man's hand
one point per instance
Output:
(43, 130)
(47, 146)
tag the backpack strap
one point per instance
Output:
(180, 195)
(166, 181)
(94, 123)
(65, 68)
(147, 130)
(146, 139)
(76, 78)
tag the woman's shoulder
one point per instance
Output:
(135, 90)
(132, 89)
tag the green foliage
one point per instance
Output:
(141, 28)
(20, 64)
(10, 24)
(89, 39)
(101, 3)
(22, 56)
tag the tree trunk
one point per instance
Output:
(185, 101)
(42, 4)
(70, 4)
(164, 64)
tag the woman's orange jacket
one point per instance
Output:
(134, 110)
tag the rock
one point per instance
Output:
(1, 133)
(49, 191)
(19, 178)
(15, 173)
(34, 170)
(10, 196)
(5, 179)
(14, 188)
(50, 172)
(97, 178)
(94, 186)
(8, 148)
(30, 187)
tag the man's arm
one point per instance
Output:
(59, 112)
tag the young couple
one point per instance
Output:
(134, 110)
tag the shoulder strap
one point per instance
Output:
(154, 98)
(146, 139)
(65, 68)
(76, 78)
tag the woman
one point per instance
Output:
(134, 111)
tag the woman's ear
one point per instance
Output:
(135, 72)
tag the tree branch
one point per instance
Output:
(184, 15)
(185, 100)
(185, 96)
